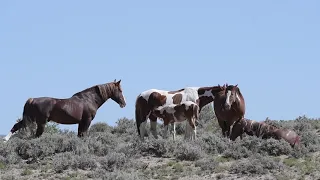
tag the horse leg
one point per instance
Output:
(40, 129)
(153, 125)
(41, 124)
(166, 127)
(83, 127)
(187, 131)
(193, 126)
(174, 130)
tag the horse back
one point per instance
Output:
(39, 106)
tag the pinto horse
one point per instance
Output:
(229, 107)
(177, 113)
(150, 99)
(79, 109)
(264, 130)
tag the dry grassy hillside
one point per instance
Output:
(116, 153)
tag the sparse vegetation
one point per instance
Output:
(117, 153)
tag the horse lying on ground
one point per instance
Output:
(265, 131)
(79, 109)
(178, 113)
(148, 100)
(229, 107)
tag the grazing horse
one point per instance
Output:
(150, 99)
(229, 107)
(177, 113)
(79, 109)
(264, 130)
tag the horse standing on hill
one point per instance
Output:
(150, 99)
(177, 113)
(79, 109)
(229, 107)
(264, 130)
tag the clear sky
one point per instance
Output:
(57, 48)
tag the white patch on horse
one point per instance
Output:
(288, 133)
(228, 98)
(191, 94)
(146, 94)
(8, 136)
(238, 97)
(142, 129)
(207, 94)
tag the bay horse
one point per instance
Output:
(229, 107)
(150, 99)
(80, 108)
(178, 113)
(264, 130)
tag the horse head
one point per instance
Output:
(117, 94)
(238, 128)
(232, 95)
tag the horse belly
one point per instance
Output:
(62, 116)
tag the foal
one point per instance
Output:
(264, 130)
(177, 113)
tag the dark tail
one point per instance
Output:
(26, 117)
(196, 112)
(138, 114)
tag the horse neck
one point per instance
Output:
(207, 95)
(97, 95)
(105, 92)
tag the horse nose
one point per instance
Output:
(227, 106)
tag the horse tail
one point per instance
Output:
(24, 122)
(138, 114)
(27, 116)
(196, 111)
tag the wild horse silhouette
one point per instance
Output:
(229, 107)
(79, 109)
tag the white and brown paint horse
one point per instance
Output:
(173, 113)
(150, 99)
(229, 107)
(264, 130)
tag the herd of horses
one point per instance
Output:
(170, 106)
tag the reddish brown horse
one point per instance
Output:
(148, 100)
(229, 106)
(265, 131)
(79, 109)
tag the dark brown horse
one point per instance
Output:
(148, 100)
(79, 109)
(229, 107)
(264, 130)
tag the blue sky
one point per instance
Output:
(57, 48)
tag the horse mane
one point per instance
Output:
(103, 90)
(239, 92)
(210, 87)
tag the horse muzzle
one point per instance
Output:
(122, 105)
(227, 107)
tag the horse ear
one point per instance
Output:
(118, 82)
(115, 80)
(219, 85)
(226, 84)
(236, 85)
